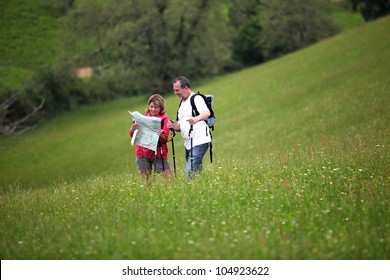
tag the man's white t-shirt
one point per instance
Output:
(200, 133)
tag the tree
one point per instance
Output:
(15, 117)
(247, 45)
(66, 5)
(291, 25)
(152, 41)
(371, 9)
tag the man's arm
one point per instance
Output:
(174, 126)
(203, 116)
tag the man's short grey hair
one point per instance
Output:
(183, 81)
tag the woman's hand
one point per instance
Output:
(134, 127)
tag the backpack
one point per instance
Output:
(209, 100)
(210, 121)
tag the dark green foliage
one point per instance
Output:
(23, 114)
(137, 47)
(244, 17)
(63, 90)
(292, 25)
(247, 46)
(371, 9)
(58, 88)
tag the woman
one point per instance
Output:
(146, 158)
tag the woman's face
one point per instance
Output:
(154, 109)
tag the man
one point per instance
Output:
(193, 129)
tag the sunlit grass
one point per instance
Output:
(303, 204)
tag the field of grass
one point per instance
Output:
(30, 37)
(301, 169)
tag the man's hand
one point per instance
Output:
(172, 126)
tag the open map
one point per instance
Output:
(147, 133)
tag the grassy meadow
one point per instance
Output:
(301, 169)
(30, 36)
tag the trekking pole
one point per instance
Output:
(191, 152)
(173, 153)
(161, 157)
(173, 149)
(155, 161)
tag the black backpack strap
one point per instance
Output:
(177, 112)
(195, 111)
(162, 122)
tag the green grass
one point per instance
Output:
(301, 171)
(82, 143)
(345, 17)
(30, 37)
(303, 205)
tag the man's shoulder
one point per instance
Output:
(192, 96)
(198, 100)
(195, 97)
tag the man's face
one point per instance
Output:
(178, 91)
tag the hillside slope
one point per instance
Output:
(336, 91)
(30, 38)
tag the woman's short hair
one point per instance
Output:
(158, 101)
